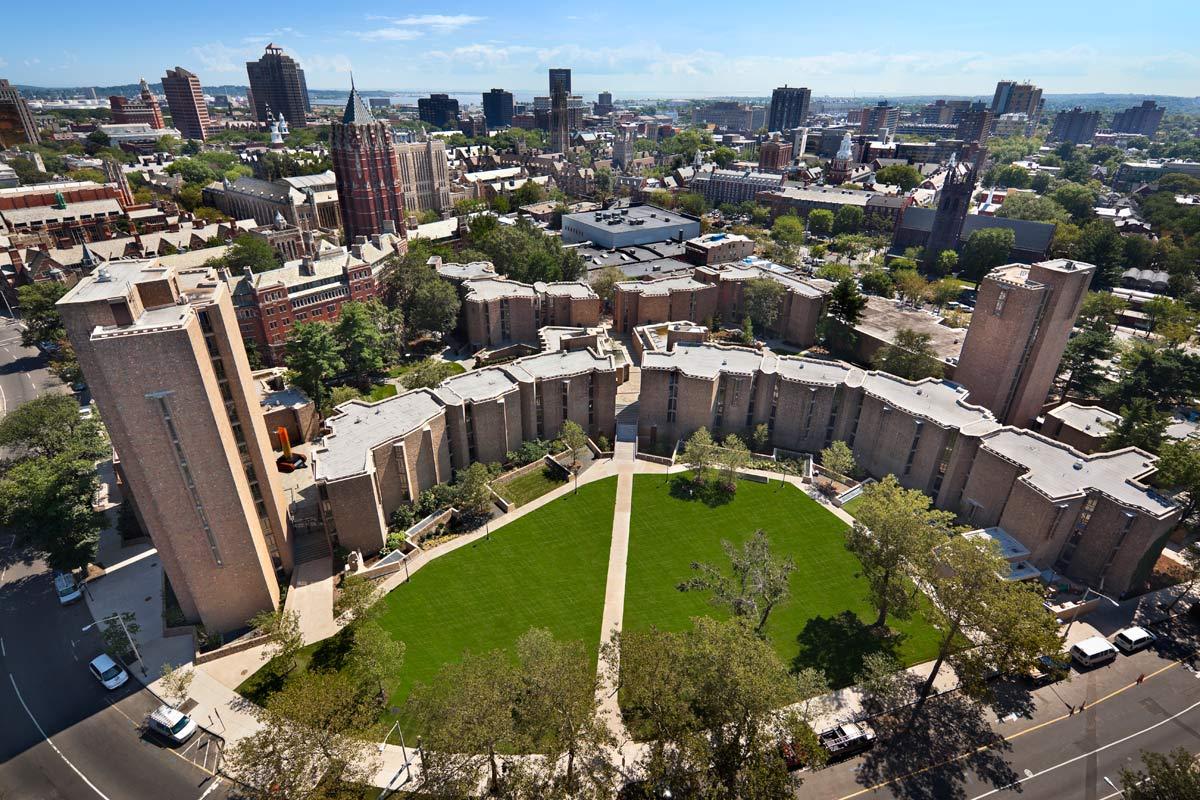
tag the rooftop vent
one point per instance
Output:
(1077, 465)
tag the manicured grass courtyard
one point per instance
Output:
(546, 569)
(823, 623)
(530, 486)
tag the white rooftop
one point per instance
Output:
(1092, 420)
(674, 283)
(358, 427)
(484, 289)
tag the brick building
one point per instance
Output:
(142, 110)
(310, 289)
(367, 169)
(1089, 517)
(801, 305)
(717, 248)
(637, 303)
(380, 456)
(424, 176)
(62, 214)
(185, 99)
(17, 125)
(1022, 321)
(160, 349)
(497, 311)
(774, 155)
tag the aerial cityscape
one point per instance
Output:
(543, 402)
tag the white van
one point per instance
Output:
(171, 724)
(1093, 651)
(66, 587)
(1133, 639)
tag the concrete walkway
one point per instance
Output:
(614, 599)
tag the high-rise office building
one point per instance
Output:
(185, 98)
(560, 116)
(438, 109)
(560, 80)
(161, 352)
(498, 108)
(879, 118)
(1076, 126)
(367, 171)
(789, 108)
(16, 121)
(1022, 321)
(1142, 120)
(974, 124)
(1018, 98)
(604, 104)
(142, 110)
(277, 87)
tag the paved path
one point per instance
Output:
(614, 599)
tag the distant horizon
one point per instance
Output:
(653, 51)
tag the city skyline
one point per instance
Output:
(471, 47)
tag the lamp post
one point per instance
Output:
(1086, 592)
(132, 643)
(403, 749)
(1108, 780)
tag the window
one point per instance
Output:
(1000, 298)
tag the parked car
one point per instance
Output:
(171, 724)
(847, 739)
(1049, 669)
(67, 588)
(1093, 651)
(108, 672)
(1133, 639)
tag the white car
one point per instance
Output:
(1133, 639)
(108, 672)
(1093, 651)
(66, 587)
(171, 724)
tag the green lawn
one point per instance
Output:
(531, 485)
(381, 391)
(546, 569)
(824, 621)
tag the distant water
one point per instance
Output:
(406, 99)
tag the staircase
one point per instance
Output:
(310, 543)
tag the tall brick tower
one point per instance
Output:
(367, 168)
(954, 200)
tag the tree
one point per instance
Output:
(428, 373)
(1009, 175)
(724, 156)
(528, 192)
(984, 250)
(734, 455)
(361, 343)
(910, 356)
(1032, 207)
(46, 501)
(1007, 618)
(820, 222)
(605, 282)
(120, 634)
(42, 322)
(284, 638)
(313, 357)
(1101, 244)
(759, 581)
(895, 528)
(878, 282)
(250, 251)
(473, 494)
(1167, 777)
(839, 459)
(1077, 199)
(355, 600)
(1166, 376)
(1173, 320)
(761, 300)
(946, 262)
(848, 219)
(1179, 469)
(434, 307)
(175, 682)
(699, 452)
(309, 744)
(944, 291)
(788, 229)
(1141, 425)
(1102, 307)
(884, 683)
(707, 702)
(50, 426)
(390, 324)
(1082, 357)
(691, 203)
(761, 437)
(846, 304)
(374, 655)
(574, 439)
(905, 176)
(910, 285)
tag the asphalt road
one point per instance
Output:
(1052, 754)
(63, 736)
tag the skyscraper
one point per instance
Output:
(789, 107)
(367, 170)
(604, 104)
(1022, 320)
(277, 86)
(560, 79)
(142, 110)
(185, 98)
(438, 109)
(16, 122)
(560, 120)
(498, 108)
(1018, 98)
(1076, 126)
(879, 118)
(162, 355)
(1143, 120)
(974, 124)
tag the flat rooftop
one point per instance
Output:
(939, 401)
(623, 220)
(1010, 548)
(1092, 420)
(705, 360)
(558, 364)
(577, 289)
(475, 386)
(1061, 472)
(754, 267)
(882, 318)
(358, 427)
(673, 283)
(469, 271)
(83, 209)
(484, 289)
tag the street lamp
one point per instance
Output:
(1108, 780)
(1083, 600)
(132, 643)
(383, 745)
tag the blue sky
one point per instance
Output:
(632, 48)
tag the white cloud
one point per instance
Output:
(3, 63)
(220, 57)
(400, 29)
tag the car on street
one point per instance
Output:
(1048, 669)
(67, 588)
(108, 672)
(1133, 639)
(1093, 651)
(171, 724)
(847, 739)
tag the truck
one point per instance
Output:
(847, 739)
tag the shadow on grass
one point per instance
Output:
(710, 491)
(947, 727)
(837, 646)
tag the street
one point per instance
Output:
(1047, 751)
(63, 734)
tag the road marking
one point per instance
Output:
(1008, 738)
(1102, 748)
(214, 785)
(138, 726)
(3, 651)
(37, 725)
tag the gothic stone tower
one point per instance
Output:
(367, 169)
(953, 203)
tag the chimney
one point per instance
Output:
(248, 273)
(225, 274)
(356, 250)
(389, 226)
(306, 266)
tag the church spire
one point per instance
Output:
(357, 112)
